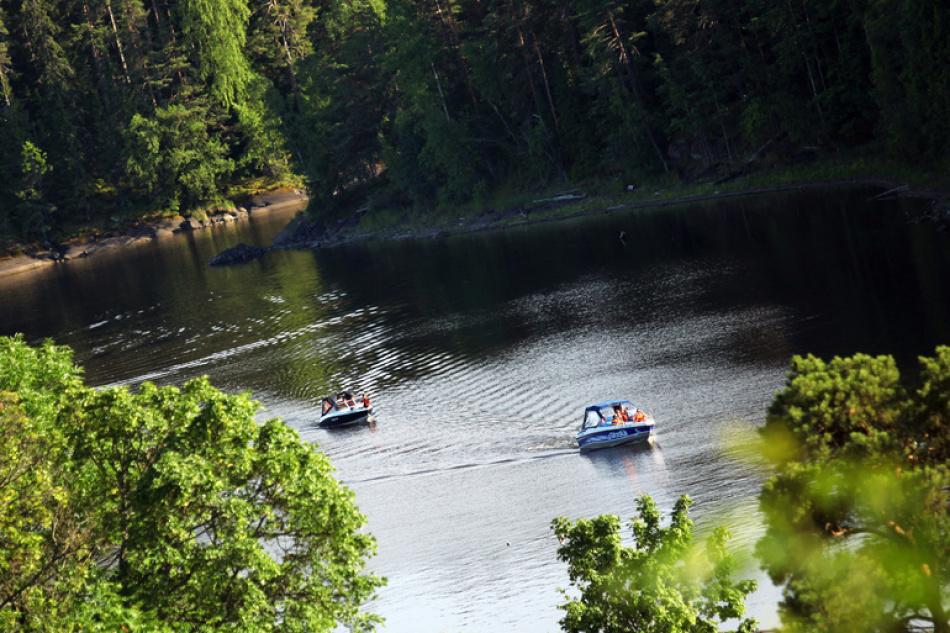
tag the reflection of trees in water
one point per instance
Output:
(762, 277)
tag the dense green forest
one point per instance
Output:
(116, 107)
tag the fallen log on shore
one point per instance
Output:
(889, 192)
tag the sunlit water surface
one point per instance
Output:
(481, 351)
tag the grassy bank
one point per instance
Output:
(564, 199)
(511, 205)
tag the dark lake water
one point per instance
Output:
(481, 351)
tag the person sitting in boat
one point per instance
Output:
(341, 403)
(349, 400)
(366, 401)
(620, 416)
(639, 416)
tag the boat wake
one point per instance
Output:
(426, 472)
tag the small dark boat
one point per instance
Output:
(344, 409)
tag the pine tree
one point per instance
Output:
(216, 30)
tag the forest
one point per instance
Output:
(117, 108)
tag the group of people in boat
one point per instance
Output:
(622, 415)
(344, 401)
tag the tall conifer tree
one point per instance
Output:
(217, 31)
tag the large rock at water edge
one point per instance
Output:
(239, 254)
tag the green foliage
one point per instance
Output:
(217, 31)
(44, 378)
(262, 141)
(849, 406)
(166, 510)
(342, 104)
(35, 214)
(103, 609)
(907, 39)
(28, 497)
(12, 137)
(5, 87)
(43, 543)
(277, 40)
(857, 510)
(663, 583)
(447, 102)
(175, 159)
(447, 158)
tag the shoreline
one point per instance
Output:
(311, 234)
(148, 231)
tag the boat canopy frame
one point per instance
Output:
(591, 421)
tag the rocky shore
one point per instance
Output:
(305, 233)
(148, 231)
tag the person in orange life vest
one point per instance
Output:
(639, 416)
(620, 416)
(366, 401)
(341, 403)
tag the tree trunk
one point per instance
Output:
(722, 124)
(155, 15)
(285, 43)
(793, 19)
(171, 30)
(291, 73)
(118, 44)
(97, 59)
(4, 80)
(5, 83)
(138, 37)
(547, 85)
(570, 33)
(438, 84)
(816, 48)
(814, 90)
(635, 88)
(527, 63)
(452, 43)
(939, 614)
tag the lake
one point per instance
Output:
(480, 352)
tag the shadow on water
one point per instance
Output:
(368, 425)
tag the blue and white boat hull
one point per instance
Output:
(608, 436)
(334, 419)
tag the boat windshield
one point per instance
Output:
(605, 415)
(593, 419)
